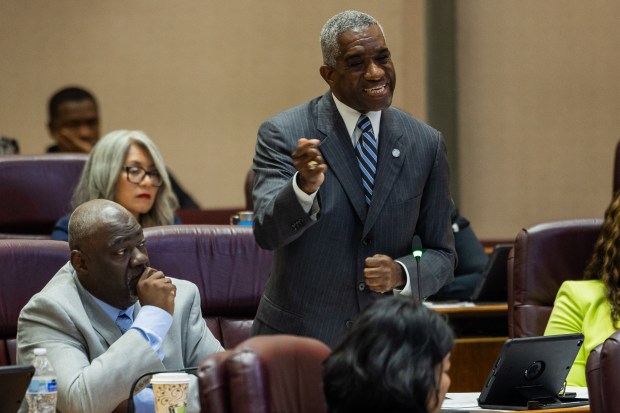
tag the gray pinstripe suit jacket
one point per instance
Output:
(316, 283)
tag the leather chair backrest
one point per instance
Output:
(542, 258)
(214, 394)
(27, 265)
(265, 374)
(593, 378)
(610, 374)
(35, 191)
(226, 264)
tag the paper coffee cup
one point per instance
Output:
(170, 390)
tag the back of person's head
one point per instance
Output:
(340, 23)
(105, 165)
(605, 262)
(67, 94)
(390, 361)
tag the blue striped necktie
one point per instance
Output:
(123, 322)
(366, 151)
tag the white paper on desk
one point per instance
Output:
(469, 401)
(458, 401)
(582, 392)
(447, 304)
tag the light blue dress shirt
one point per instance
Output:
(153, 324)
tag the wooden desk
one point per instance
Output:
(480, 333)
(472, 360)
(499, 309)
(579, 409)
(207, 216)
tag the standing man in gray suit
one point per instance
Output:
(343, 238)
(106, 317)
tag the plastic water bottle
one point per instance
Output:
(42, 393)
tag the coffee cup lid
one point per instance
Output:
(170, 378)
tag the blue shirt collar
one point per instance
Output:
(112, 311)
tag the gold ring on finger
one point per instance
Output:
(312, 165)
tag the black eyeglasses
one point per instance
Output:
(135, 175)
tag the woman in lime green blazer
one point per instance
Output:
(592, 306)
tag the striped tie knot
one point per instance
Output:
(366, 151)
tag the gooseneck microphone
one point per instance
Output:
(130, 406)
(416, 250)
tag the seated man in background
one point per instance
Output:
(74, 125)
(73, 120)
(106, 317)
(472, 260)
(395, 358)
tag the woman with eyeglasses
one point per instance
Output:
(126, 167)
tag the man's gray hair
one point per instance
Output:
(342, 22)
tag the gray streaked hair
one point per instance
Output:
(342, 22)
(104, 166)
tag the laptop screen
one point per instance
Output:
(531, 370)
(14, 381)
(491, 287)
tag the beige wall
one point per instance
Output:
(539, 94)
(198, 76)
(539, 110)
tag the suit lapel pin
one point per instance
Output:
(395, 153)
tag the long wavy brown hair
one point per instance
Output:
(605, 262)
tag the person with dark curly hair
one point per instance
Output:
(395, 358)
(592, 306)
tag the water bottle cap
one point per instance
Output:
(40, 351)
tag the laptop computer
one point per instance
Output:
(491, 287)
(529, 373)
(14, 381)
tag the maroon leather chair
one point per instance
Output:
(542, 258)
(225, 263)
(593, 378)
(35, 191)
(603, 376)
(27, 265)
(265, 374)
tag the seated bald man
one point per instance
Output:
(74, 316)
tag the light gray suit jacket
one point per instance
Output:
(316, 285)
(94, 363)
